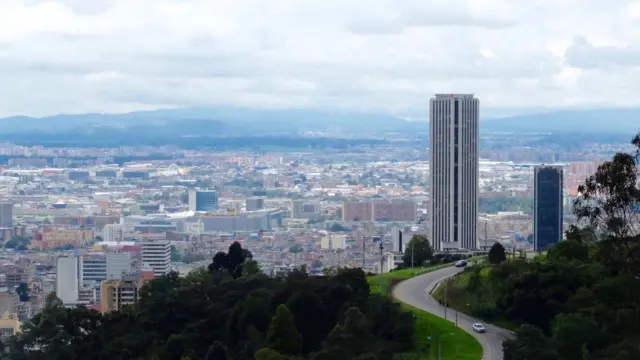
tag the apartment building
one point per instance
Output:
(157, 254)
(117, 293)
(379, 210)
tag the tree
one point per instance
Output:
(179, 317)
(417, 251)
(23, 292)
(232, 261)
(497, 254)
(569, 250)
(217, 351)
(351, 338)
(530, 344)
(17, 242)
(310, 316)
(175, 255)
(269, 354)
(250, 267)
(295, 249)
(573, 333)
(336, 227)
(609, 201)
(282, 335)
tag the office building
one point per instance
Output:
(379, 210)
(93, 268)
(116, 293)
(453, 162)
(157, 254)
(6, 214)
(97, 267)
(67, 279)
(394, 210)
(254, 203)
(304, 209)
(203, 200)
(547, 212)
(252, 221)
(118, 264)
(9, 326)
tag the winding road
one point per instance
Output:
(416, 292)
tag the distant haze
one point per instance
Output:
(235, 120)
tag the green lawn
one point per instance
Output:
(455, 343)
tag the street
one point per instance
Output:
(415, 292)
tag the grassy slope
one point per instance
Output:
(458, 298)
(428, 325)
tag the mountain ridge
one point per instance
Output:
(234, 120)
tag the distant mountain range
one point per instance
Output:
(607, 121)
(242, 122)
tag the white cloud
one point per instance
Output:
(385, 55)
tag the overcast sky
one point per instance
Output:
(70, 56)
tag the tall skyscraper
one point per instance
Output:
(547, 212)
(453, 163)
(203, 200)
(6, 214)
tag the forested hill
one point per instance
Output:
(228, 311)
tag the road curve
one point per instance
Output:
(416, 292)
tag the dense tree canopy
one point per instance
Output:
(222, 313)
(583, 301)
(497, 254)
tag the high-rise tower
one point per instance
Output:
(547, 212)
(453, 163)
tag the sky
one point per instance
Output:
(76, 56)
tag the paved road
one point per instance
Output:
(416, 292)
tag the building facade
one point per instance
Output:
(203, 200)
(116, 293)
(454, 168)
(157, 254)
(67, 279)
(6, 214)
(379, 210)
(548, 206)
(112, 232)
(254, 203)
(304, 209)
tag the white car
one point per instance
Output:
(479, 328)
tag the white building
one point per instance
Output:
(157, 254)
(333, 242)
(67, 279)
(118, 264)
(93, 268)
(112, 232)
(97, 267)
(454, 168)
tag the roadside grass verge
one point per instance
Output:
(480, 304)
(455, 343)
